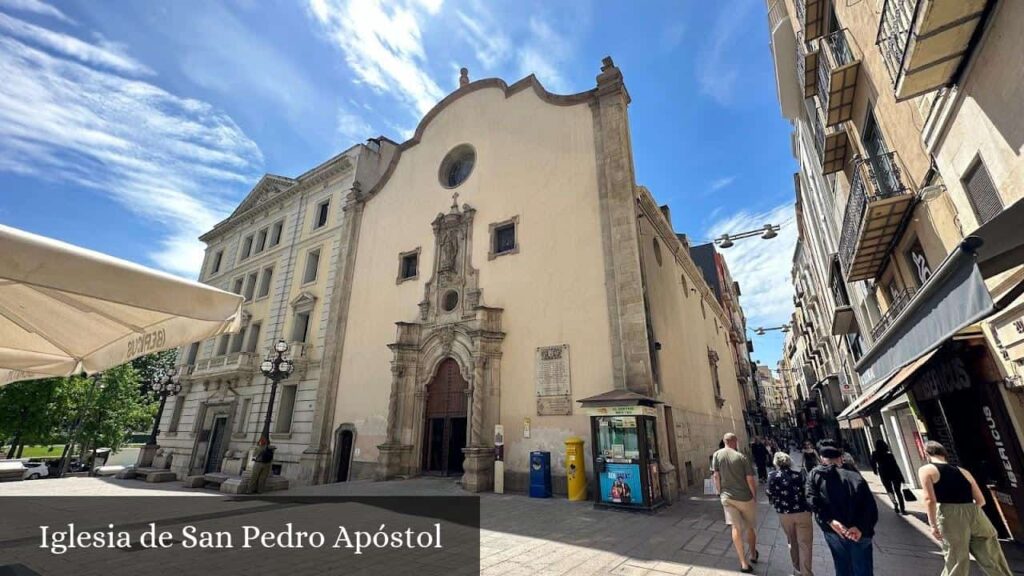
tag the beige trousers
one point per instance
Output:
(800, 535)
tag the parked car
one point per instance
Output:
(36, 469)
(11, 470)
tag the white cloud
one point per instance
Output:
(106, 55)
(490, 45)
(352, 129)
(174, 161)
(36, 7)
(383, 46)
(762, 267)
(542, 54)
(716, 74)
(720, 183)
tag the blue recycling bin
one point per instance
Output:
(540, 474)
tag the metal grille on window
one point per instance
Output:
(982, 193)
(504, 239)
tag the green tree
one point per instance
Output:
(26, 413)
(147, 367)
(113, 409)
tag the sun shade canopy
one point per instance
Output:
(65, 310)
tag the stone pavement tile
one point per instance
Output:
(627, 570)
(672, 568)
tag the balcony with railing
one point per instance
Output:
(838, 72)
(843, 319)
(783, 43)
(812, 17)
(880, 197)
(234, 363)
(832, 143)
(924, 42)
(806, 66)
(896, 307)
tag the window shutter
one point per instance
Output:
(982, 193)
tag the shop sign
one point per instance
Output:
(944, 378)
(622, 411)
(997, 438)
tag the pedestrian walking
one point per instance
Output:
(884, 464)
(810, 456)
(954, 503)
(845, 511)
(787, 495)
(760, 453)
(734, 480)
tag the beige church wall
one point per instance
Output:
(685, 335)
(534, 161)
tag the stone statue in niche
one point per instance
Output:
(449, 251)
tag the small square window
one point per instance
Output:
(322, 210)
(408, 265)
(503, 238)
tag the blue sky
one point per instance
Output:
(132, 127)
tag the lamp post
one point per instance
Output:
(760, 331)
(164, 384)
(276, 367)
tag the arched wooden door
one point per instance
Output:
(444, 436)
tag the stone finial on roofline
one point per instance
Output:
(463, 77)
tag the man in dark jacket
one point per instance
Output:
(760, 453)
(845, 511)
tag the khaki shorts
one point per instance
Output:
(742, 515)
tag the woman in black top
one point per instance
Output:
(954, 512)
(884, 464)
(810, 456)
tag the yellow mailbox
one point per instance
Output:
(575, 469)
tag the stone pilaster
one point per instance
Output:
(315, 460)
(631, 359)
(478, 469)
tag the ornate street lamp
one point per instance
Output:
(165, 383)
(767, 232)
(276, 367)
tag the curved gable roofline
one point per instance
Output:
(530, 81)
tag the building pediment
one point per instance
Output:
(269, 186)
(304, 301)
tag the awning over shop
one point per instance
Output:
(953, 298)
(884, 392)
(65, 310)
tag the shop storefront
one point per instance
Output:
(959, 399)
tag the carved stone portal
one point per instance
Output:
(452, 324)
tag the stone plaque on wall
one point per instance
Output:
(554, 390)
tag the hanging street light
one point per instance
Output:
(276, 367)
(165, 383)
(767, 232)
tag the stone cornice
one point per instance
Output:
(337, 165)
(649, 209)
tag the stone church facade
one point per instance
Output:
(508, 233)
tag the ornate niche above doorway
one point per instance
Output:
(454, 332)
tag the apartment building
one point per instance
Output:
(907, 128)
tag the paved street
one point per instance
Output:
(524, 536)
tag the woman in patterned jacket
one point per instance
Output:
(787, 495)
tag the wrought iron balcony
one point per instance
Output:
(838, 71)
(923, 42)
(832, 143)
(880, 198)
(812, 17)
(899, 303)
(806, 66)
